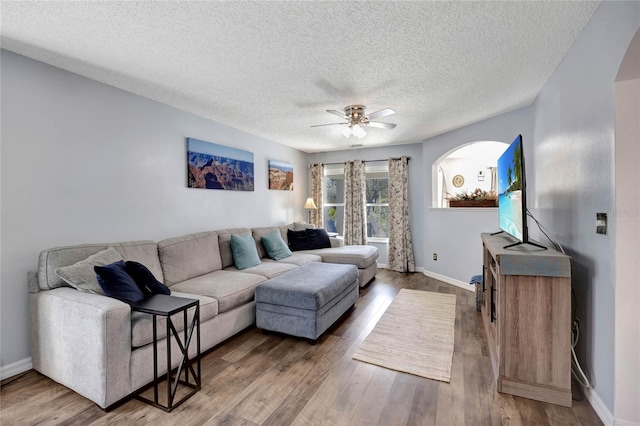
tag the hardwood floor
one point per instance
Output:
(256, 379)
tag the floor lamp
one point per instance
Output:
(310, 205)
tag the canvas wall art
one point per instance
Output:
(213, 166)
(280, 176)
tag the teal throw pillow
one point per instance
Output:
(245, 252)
(275, 246)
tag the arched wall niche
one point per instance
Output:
(463, 169)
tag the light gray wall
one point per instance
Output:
(84, 162)
(454, 234)
(416, 183)
(573, 175)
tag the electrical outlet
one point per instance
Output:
(435, 256)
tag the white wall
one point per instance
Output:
(83, 162)
(573, 176)
(454, 234)
(627, 234)
(417, 180)
(468, 168)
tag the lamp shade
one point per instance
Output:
(358, 131)
(310, 205)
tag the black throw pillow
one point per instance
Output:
(298, 240)
(318, 238)
(116, 283)
(145, 279)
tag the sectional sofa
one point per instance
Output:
(94, 345)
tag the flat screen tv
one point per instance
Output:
(512, 194)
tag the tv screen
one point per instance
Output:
(511, 191)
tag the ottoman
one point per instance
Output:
(305, 302)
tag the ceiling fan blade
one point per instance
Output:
(381, 125)
(381, 113)
(328, 124)
(338, 113)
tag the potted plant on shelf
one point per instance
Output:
(477, 198)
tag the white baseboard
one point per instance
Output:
(17, 367)
(599, 407)
(384, 266)
(617, 422)
(450, 280)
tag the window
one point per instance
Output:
(333, 203)
(377, 202)
(376, 199)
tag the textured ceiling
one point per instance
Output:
(273, 68)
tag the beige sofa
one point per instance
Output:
(95, 346)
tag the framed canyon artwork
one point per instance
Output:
(213, 166)
(280, 176)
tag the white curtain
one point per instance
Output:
(317, 174)
(444, 193)
(494, 179)
(355, 227)
(400, 246)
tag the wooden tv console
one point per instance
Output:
(527, 317)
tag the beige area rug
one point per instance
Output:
(415, 335)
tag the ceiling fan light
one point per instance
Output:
(358, 131)
(346, 132)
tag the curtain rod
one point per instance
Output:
(366, 161)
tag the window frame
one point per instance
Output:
(338, 170)
(331, 170)
(376, 169)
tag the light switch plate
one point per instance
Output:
(601, 223)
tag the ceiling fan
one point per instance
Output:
(356, 119)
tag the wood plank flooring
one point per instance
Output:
(256, 379)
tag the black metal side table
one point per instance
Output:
(166, 306)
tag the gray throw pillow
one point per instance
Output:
(81, 275)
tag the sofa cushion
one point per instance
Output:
(57, 257)
(318, 238)
(189, 256)
(145, 252)
(361, 256)
(301, 226)
(245, 252)
(230, 289)
(298, 240)
(81, 275)
(117, 283)
(274, 246)
(297, 258)
(258, 233)
(142, 324)
(266, 269)
(144, 279)
(224, 243)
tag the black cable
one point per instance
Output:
(542, 230)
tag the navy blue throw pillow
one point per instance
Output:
(298, 240)
(145, 279)
(318, 238)
(116, 283)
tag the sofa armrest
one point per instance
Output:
(336, 241)
(83, 341)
